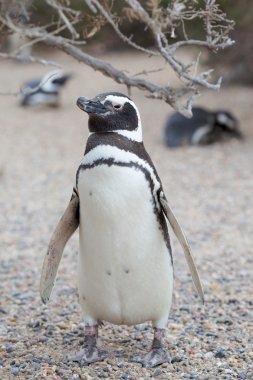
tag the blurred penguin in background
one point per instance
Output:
(44, 91)
(205, 127)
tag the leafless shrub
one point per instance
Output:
(164, 23)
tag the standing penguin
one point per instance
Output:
(125, 260)
(44, 91)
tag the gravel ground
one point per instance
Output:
(210, 190)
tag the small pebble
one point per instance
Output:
(220, 354)
(9, 348)
(157, 372)
(176, 359)
(50, 327)
(2, 310)
(15, 371)
(35, 366)
(208, 355)
(127, 375)
(193, 375)
(242, 375)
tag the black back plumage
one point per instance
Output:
(205, 127)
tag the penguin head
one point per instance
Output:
(53, 81)
(112, 112)
(228, 123)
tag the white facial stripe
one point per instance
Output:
(121, 100)
(116, 99)
(222, 118)
(225, 120)
(135, 135)
(46, 82)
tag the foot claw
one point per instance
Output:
(153, 358)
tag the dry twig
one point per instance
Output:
(163, 22)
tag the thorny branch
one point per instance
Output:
(163, 22)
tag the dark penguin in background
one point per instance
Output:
(125, 270)
(44, 91)
(204, 127)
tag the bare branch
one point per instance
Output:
(69, 23)
(113, 23)
(163, 22)
(90, 5)
(41, 61)
(167, 51)
(147, 72)
(107, 69)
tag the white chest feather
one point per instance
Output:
(125, 272)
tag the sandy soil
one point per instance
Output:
(210, 190)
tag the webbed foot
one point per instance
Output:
(153, 358)
(90, 353)
(87, 355)
(157, 355)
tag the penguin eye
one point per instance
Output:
(117, 106)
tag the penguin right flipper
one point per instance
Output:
(184, 244)
(63, 231)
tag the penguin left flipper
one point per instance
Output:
(184, 244)
(63, 231)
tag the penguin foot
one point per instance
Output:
(157, 355)
(90, 353)
(153, 358)
(87, 355)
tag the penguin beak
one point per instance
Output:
(90, 106)
(238, 134)
(233, 129)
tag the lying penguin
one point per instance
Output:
(44, 91)
(205, 127)
(125, 271)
